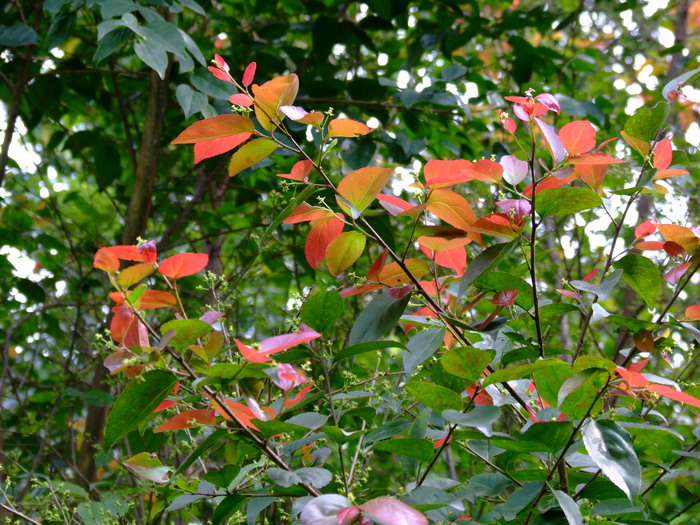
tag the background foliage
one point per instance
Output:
(95, 91)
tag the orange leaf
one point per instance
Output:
(212, 148)
(644, 342)
(121, 321)
(592, 174)
(156, 299)
(594, 158)
(344, 127)
(188, 419)
(270, 96)
(692, 313)
(362, 186)
(679, 234)
(577, 137)
(250, 154)
(213, 128)
(105, 260)
(443, 173)
(454, 258)
(183, 264)
(437, 244)
(300, 171)
(663, 154)
(290, 402)
(451, 208)
(645, 229)
(674, 394)
(651, 246)
(393, 275)
(305, 213)
(133, 274)
(323, 231)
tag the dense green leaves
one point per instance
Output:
(642, 275)
(378, 318)
(436, 397)
(466, 362)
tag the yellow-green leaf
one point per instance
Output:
(362, 186)
(343, 251)
(250, 154)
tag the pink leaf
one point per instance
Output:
(249, 74)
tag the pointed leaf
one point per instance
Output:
(213, 128)
(250, 154)
(566, 201)
(642, 275)
(344, 250)
(345, 127)
(362, 186)
(183, 264)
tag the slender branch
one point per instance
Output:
(17, 513)
(533, 237)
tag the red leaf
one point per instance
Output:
(362, 186)
(568, 293)
(183, 264)
(590, 275)
(505, 298)
(453, 258)
(148, 251)
(674, 394)
(673, 249)
(215, 128)
(645, 229)
(249, 74)
(663, 154)
(165, 404)
(577, 137)
(443, 173)
(241, 99)
(650, 246)
(644, 341)
(692, 313)
(300, 171)
(220, 62)
(290, 402)
(305, 213)
(594, 158)
(218, 73)
(323, 231)
(212, 148)
(156, 299)
(105, 260)
(276, 344)
(136, 335)
(127, 253)
(121, 321)
(184, 420)
(377, 265)
(549, 183)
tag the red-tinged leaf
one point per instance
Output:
(121, 321)
(212, 148)
(640, 145)
(649, 246)
(183, 264)
(633, 379)
(510, 125)
(220, 62)
(249, 74)
(674, 275)
(550, 101)
(549, 184)
(644, 341)
(451, 208)
(344, 127)
(692, 313)
(663, 152)
(148, 251)
(680, 235)
(443, 173)
(276, 344)
(399, 207)
(362, 186)
(298, 114)
(136, 335)
(377, 265)
(594, 158)
(215, 128)
(605, 143)
(290, 402)
(156, 299)
(241, 99)
(251, 354)
(305, 213)
(343, 251)
(220, 74)
(552, 140)
(188, 419)
(638, 366)
(438, 244)
(577, 137)
(242, 413)
(357, 290)
(495, 225)
(133, 274)
(674, 394)
(165, 404)
(127, 253)
(667, 174)
(590, 275)
(323, 231)
(673, 249)
(487, 170)
(271, 96)
(645, 229)
(105, 260)
(482, 398)
(505, 298)
(117, 361)
(300, 171)
(392, 511)
(250, 154)
(592, 174)
(393, 275)
(569, 293)
(454, 259)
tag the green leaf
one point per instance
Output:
(361, 348)
(610, 447)
(569, 506)
(222, 477)
(578, 380)
(686, 78)
(322, 310)
(388, 430)
(187, 331)
(566, 201)
(421, 347)
(646, 122)
(549, 382)
(61, 28)
(228, 506)
(343, 251)
(153, 55)
(110, 43)
(518, 372)
(136, 403)
(148, 466)
(549, 436)
(436, 397)
(642, 275)
(190, 101)
(467, 362)
(378, 318)
(485, 261)
(420, 449)
(250, 154)
(480, 417)
(17, 35)
(517, 501)
(293, 205)
(201, 449)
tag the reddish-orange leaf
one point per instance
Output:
(453, 258)
(674, 394)
(215, 128)
(249, 74)
(393, 275)
(633, 379)
(183, 264)
(133, 274)
(437, 244)
(505, 297)
(121, 321)
(156, 299)
(220, 74)
(679, 234)
(240, 411)
(638, 366)
(644, 341)
(165, 404)
(443, 173)
(590, 275)
(451, 208)
(357, 290)
(496, 225)
(127, 253)
(650, 246)
(323, 231)
(305, 213)
(270, 96)
(592, 174)
(212, 148)
(663, 152)
(487, 170)
(692, 313)
(399, 207)
(577, 137)
(362, 186)
(240, 99)
(645, 229)
(188, 419)
(105, 260)
(667, 174)
(290, 402)
(549, 183)
(300, 171)
(673, 249)
(594, 158)
(136, 335)
(344, 127)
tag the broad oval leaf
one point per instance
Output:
(362, 186)
(467, 362)
(345, 127)
(642, 275)
(213, 128)
(433, 396)
(322, 310)
(566, 201)
(183, 264)
(420, 449)
(393, 275)
(378, 318)
(250, 154)
(343, 251)
(577, 137)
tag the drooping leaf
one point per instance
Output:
(148, 466)
(484, 262)
(188, 419)
(467, 362)
(420, 347)
(213, 128)
(393, 275)
(646, 122)
(420, 449)
(250, 154)
(570, 508)
(136, 403)
(183, 264)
